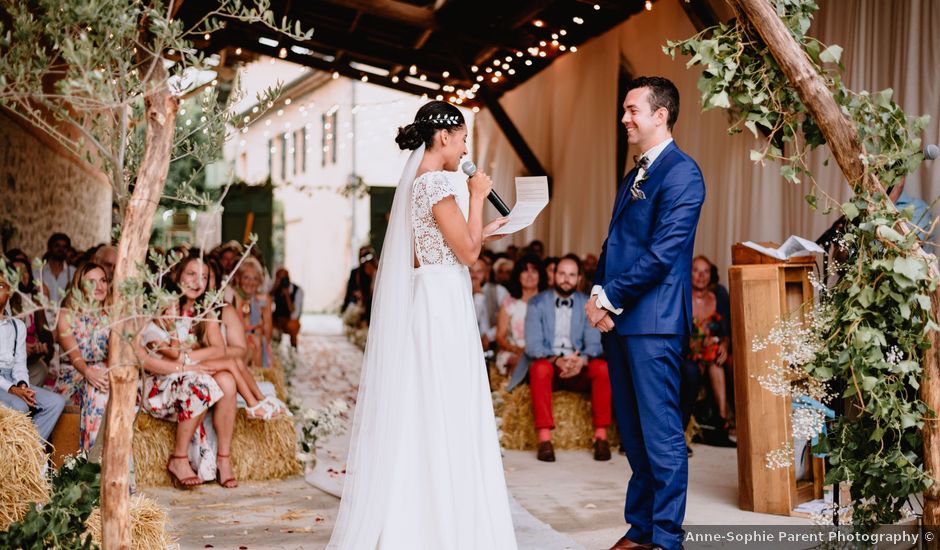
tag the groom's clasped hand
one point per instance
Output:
(598, 317)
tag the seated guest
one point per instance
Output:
(234, 342)
(288, 305)
(590, 266)
(106, 257)
(188, 375)
(562, 352)
(15, 390)
(706, 356)
(255, 308)
(84, 332)
(549, 265)
(478, 275)
(528, 279)
(24, 304)
(502, 271)
(537, 247)
(56, 273)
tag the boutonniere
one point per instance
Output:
(635, 192)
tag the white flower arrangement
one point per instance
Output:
(317, 424)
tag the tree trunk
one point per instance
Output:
(842, 138)
(161, 108)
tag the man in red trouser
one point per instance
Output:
(563, 353)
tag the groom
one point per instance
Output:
(642, 303)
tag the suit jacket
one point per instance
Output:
(540, 332)
(645, 265)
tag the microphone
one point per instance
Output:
(931, 152)
(470, 169)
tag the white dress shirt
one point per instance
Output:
(56, 285)
(13, 352)
(598, 290)
(561, 344)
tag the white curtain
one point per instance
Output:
(569, 114)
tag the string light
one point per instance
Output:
(597, 7)
(238, 51)
(283, 53)
(288, 101)
(446, 74)
(562, 32)
(649, 5)
(578, 20)
(335, 75)
(538, 23)
(474, 69)
(574, 49)
(395, 79)
(365, 78)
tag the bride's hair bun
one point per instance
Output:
(431, 117)
(411, 137)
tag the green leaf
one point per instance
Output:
(832, 54)
(911, 268)
(811, 201)
(850, 210)
(756, 156)
(720, 100)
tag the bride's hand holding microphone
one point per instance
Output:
(481, 186)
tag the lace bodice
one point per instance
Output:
(430, 246)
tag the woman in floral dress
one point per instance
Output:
(83, 330)
(708, 348)
(184, 382)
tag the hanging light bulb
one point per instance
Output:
(649, 5)
(283, 53)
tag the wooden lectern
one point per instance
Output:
(763, 290)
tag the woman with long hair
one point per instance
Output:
(255, 307)
(84, 332)
(424, 467)
(528, 279)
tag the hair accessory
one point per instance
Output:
(441, 119)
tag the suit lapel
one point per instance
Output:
(622, 195)
(550, 320)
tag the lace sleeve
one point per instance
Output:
(433, 188)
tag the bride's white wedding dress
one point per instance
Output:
(425, 470)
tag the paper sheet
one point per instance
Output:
(531, 198)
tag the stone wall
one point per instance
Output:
(46, 189)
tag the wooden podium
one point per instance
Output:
(763, 290)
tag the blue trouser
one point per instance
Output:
(645, 379)
(49, 406)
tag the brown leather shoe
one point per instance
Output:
(627, 544)
(601, 449)
(546, 452)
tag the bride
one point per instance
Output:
(424, 469)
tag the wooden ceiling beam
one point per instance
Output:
(341, 68)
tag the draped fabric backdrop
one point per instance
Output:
(569, 114)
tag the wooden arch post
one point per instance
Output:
(842, 138)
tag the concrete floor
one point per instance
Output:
(572, 503)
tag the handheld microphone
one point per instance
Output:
(470, 169)
(931, 152)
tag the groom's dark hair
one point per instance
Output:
(663, 94)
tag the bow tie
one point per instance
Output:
(564, 302)
(642, 162)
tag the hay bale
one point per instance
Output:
(573, 425)
(148, 525)
(22, 461)
(261, 449)
(275, 375)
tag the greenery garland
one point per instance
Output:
(60, 523)
(869, 332)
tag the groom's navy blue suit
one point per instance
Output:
(645, 268)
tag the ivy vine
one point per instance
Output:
(871, 353)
